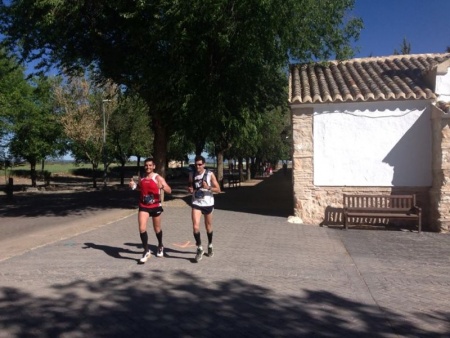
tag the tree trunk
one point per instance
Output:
(253, 168)
(122, 172)
(220, 168)
(94, 175)
(160, 146)
(259, 168)
(241, 168)
(138, 163)
(199, 146)
(33, 173)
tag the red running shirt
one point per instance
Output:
(149, 186)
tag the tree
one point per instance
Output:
(214, 58)
(275, 143)
(14, 91)
(405, 48)
(265, 139)
(129, 131)
(85, 118)
(179, 147)
(37, 132)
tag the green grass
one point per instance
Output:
(71, 168)
(50, 168)
(56, 168)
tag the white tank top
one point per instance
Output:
(202, 197)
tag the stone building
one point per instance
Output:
(375, 125)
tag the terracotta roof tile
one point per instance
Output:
(369, 79)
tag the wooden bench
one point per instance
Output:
(381, 207)
(233, 180)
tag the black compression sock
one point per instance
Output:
(159, 237)
(210, 237)
(198, 240)
(144, 239)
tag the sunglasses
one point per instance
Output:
(198, 164)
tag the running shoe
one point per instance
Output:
(145, 257)
(199, 255)
(160, 252)
(210, 250)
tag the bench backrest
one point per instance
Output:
(392, 202)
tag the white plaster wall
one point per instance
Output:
(373, 144)
(443, 86)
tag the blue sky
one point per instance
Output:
(424, 23)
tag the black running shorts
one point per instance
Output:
(153, 212)
(204, 210)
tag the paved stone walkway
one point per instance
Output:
(268, 278)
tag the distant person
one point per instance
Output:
(285, 169)
(150, 187)
(202, 185)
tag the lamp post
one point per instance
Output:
(104, 142)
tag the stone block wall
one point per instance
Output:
(440, 191)
(302, 163)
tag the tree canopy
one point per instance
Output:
(36, 129)
(14, 91)
(29, 126)
(215, 59)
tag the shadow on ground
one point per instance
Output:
(66, 203)
(271, 196)
(179, 305)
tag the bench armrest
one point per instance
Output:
(417, 210)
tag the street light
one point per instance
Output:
(104, 142)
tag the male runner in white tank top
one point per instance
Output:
(202, 185)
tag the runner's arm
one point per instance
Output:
(163, 185)
(215, 187)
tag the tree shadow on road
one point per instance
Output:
(271, 196)
(179, 304)
(67, 203)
